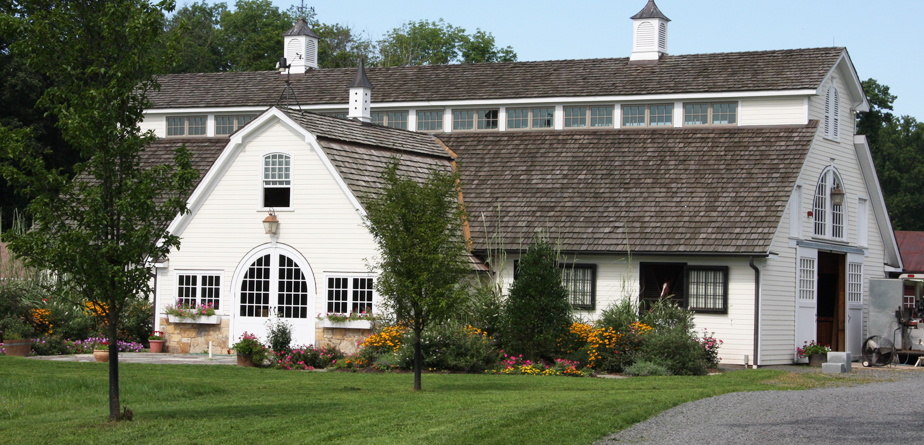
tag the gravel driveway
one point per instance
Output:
(883, 412)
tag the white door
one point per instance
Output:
(854, 306)
(274, 283)
(806, 296)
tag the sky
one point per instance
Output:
(883, 38)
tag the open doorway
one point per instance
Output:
(831, 324)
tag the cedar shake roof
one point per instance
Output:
(911, 246)
(650, 11)
(690, 190)
(696, 73)
(204, 153)
(301, 28)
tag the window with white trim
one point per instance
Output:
(723, 113)
(483, 119)
(829, 219)
(855, 283)
(832, 114)
(578, 117)
(806, 279)
(394, 119)
(274, 285)
(230, 124)
(655, 115)
(349, 294)
(277, 180)
(186, 126)
(198, 288)
(530, 118)
(430, 121)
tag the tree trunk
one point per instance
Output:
(418, 359)
(114, 413)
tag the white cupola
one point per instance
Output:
(649, 33)
(360, 107)
(300, 47)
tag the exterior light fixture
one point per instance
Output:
(837, 196)
(271, 224)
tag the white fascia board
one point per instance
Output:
(206, 110)
(889, 243)
(845, 66)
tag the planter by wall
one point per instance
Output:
(213, 319)
(817, 360)
(245, 360)
(19, 348)
(156, 345)
(101, 355)
(350, 324)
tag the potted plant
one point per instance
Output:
(156, 340)
(816, 353)
(191, 313)
(353, 320)
(250, 352)
(101, 352)
(15, 340)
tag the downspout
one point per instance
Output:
(756, 310)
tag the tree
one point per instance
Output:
(340, 47)
(418, 229)
(480, 48)
(872, 121)
(98, 231)
(433, 43)
(252, 35)
(537, 312)
(198, 39)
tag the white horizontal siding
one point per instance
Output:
(155, 122)
(773, 111)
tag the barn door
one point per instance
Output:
(806, 296)
(854, 306)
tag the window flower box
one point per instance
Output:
(349, 324)
(205, 319)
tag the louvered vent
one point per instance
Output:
(646, 36)
(662, 37)
(294, 52)
(311, 53)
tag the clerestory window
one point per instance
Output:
(829, 219)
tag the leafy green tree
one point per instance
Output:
(252, 35)
(341, 47)
(198, 38)
(479, 48)
(537, 312)
(880, 100)
(418, 229)
(96, 232)
(421, 43)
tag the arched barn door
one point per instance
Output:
(274, 283)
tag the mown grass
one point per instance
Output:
(66, 402)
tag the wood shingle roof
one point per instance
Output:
(689, 190)
(695, 73)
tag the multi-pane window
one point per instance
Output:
(806, 279)
(829, 219)
(855, 283)
(430, 121)
(524, 118)
(277, 180)
(199, 289)
(274, 286)
(186, 126)
(474, 119)
(707, 289)
(347, 294)
(578, 117)
(394, 119)
(581, 281)
(724, 113)
(230, 124)
(647, 115)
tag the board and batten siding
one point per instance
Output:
(322, 225)
(618, 278)
(778, 302)
(773, 111)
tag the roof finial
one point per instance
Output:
(360, 80)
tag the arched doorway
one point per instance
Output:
(274, 282)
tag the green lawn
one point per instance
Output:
(66, 402)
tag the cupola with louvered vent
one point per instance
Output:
(649, 33)
(360, 107)
(301, 47)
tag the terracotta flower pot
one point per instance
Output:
(101, 355)
(19, 348)
(245, 360)
(156, 345)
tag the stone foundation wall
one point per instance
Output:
(193, 337)
(346, 340)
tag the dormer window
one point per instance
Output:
(186, 126)
(277, 180)
(647, 115)
(225, 125)
(832, 114)
(829, 219)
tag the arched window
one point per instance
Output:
(277, 180)
(832, 113)
(829, 219)
(274, 285)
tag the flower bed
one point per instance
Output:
(58, 346)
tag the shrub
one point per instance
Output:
(676, 348)
(711, 347)
(306, 357)
(619, 315)
(644, 368)
(250, 344)
(137, 321)
(665, 313)
(279, 333)
(451, 347)
(537, 312)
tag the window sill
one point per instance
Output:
(213, 319)
(351, 324)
